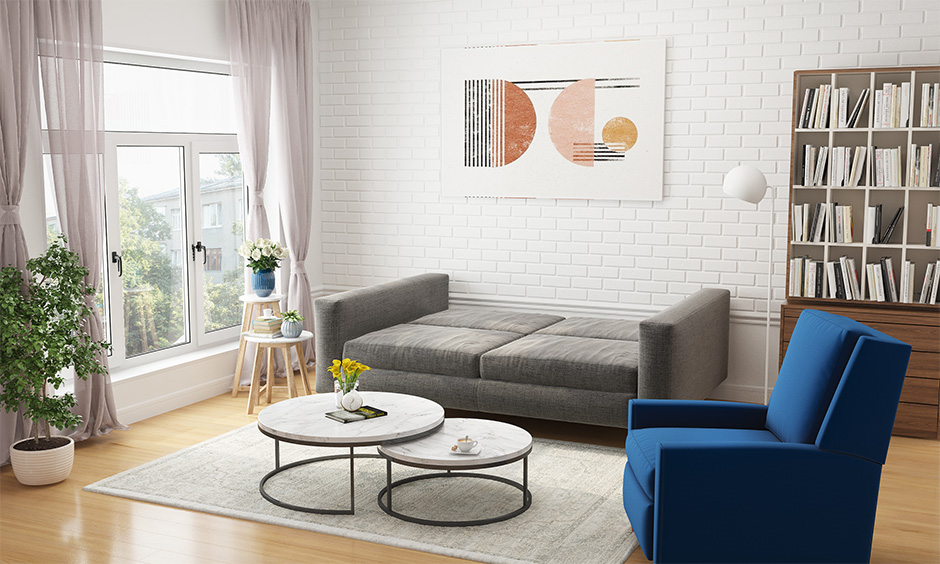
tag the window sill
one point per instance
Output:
(143, 370)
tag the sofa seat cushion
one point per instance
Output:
(449, 351)
(643, 446)
(595, 328)
(490, 320)
(572, 362)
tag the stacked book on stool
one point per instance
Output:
(266, 327)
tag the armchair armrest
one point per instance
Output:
(347, 315)
(688, 413)
(781, 502)
(684, 349)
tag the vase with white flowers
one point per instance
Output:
(263, 256)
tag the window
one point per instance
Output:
(212, 215)
(214, 259)
(172, 179)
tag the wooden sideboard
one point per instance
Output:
(919, 409)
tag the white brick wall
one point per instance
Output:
(729, 78)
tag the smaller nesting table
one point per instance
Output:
(285, 344)
(254, 307)
(500, 444)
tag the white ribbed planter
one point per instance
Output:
(42, 467)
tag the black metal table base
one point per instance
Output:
(278, 469)
(386, 492)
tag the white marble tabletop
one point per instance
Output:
(253, 299)
(252, 338)
(498, 442)
(304, 419)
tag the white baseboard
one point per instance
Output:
(165, 387)
(738, 392)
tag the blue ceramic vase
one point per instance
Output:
(262, 283)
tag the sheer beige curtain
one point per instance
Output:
(70, 49)
(293, 76)
(249, 34)
(17, 83)
(270, 41)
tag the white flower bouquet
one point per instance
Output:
(263, 254)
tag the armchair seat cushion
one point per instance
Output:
(643, 446)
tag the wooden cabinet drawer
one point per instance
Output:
(920, 390)
(924, 365)
(915, 420)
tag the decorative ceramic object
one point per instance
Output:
(42, 467)
(291, 329)
(262, 283)
(352, 401)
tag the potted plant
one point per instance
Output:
(346, 381)
(290, 324)
(42, 315)
(263, 256)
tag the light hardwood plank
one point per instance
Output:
(61, 523)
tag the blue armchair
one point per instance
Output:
(794, 481)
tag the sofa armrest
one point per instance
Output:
(702, 414)
(347, 315)
(684, 349)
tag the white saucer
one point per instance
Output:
(472, 452)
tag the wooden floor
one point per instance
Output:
(61, 523)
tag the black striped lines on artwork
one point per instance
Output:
(561, 84)
(484, 123)
(599, 152)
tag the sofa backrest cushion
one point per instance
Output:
(816, 357)
(595, 328)
(490, 320)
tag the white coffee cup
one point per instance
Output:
(268, 312)
(466, 444)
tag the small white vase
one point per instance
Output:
(352, 401)
(42, 467)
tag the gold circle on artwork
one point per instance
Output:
(619, 134)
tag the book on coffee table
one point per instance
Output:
(361, 414)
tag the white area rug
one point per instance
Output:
(576, 516)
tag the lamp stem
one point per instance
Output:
(770, 271)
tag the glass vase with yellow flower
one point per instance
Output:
(346, 383)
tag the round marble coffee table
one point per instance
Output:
(303, 421)
(499, 444)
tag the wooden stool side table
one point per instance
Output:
(285, 344)
(252, 302)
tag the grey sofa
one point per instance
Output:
(581, 370)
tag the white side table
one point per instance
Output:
(285, 344)
(254, 307)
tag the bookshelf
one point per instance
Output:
(877, 161)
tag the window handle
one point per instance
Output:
(200, 248)
(116, 259)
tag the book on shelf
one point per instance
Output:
(887, 274)
(841, 290)
(932, 223)
(808, 96)
(887, 166)
(892, 105)
(935, 284)
(872, 230)
(361, 414)
(876, 288)
(928, 282)
(907, 283)
(842, 103)
(904, 119)
(858, 110)
(849, 278)
(929, 103)
(919, 161)
(889, 231)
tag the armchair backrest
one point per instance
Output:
(822, 349)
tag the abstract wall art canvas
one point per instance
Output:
(579, 120)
